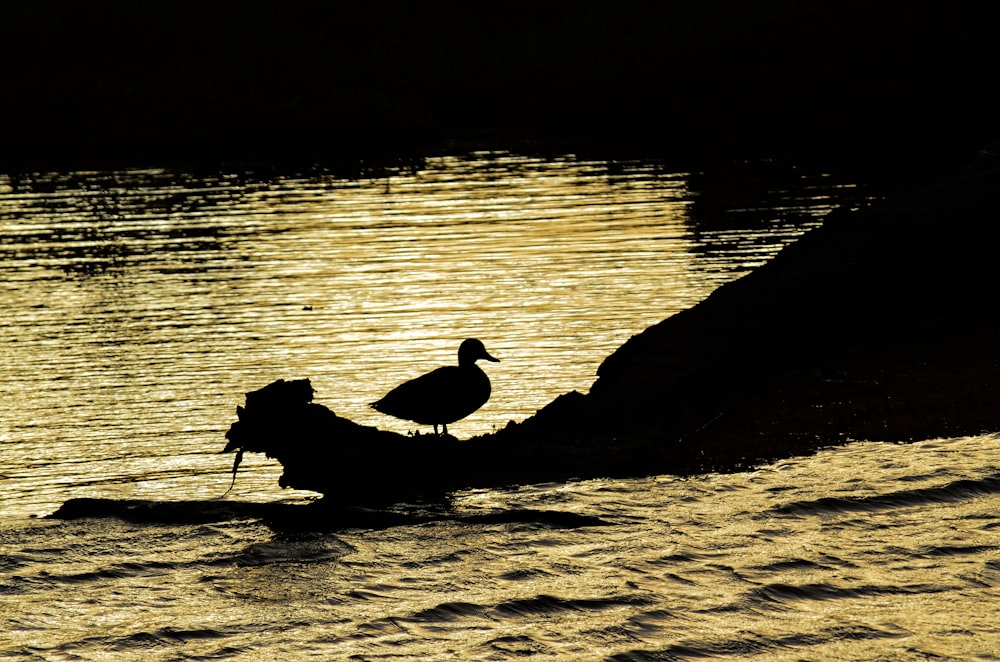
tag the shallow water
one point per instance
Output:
(137, 308)
(873, 551)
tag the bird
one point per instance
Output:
(445, 394)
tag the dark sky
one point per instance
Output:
(156, 81)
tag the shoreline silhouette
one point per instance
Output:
(878, 325)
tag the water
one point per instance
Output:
(873, 551)
(138, 306)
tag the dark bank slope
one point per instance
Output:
(116, 82)
(883, 324)
(880, 325)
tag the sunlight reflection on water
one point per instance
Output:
(139, 306)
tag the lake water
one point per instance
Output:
(138, 306)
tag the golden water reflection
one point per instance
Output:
(139, 306)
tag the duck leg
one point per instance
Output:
(445, 426)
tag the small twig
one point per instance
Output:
(236, 465)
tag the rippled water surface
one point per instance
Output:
(868, 552)
(137, 307)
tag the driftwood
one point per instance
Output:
(882, 324)
(356, 464)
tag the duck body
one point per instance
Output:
(444, 395)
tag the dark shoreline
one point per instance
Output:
(883, 324)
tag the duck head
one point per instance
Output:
(471, 350)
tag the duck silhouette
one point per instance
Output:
(444, 395)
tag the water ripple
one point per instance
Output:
(959, 490)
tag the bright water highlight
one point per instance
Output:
(139, 306)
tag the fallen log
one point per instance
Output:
(357, 464)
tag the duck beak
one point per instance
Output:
(486, 355)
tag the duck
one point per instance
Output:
(444, 395)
